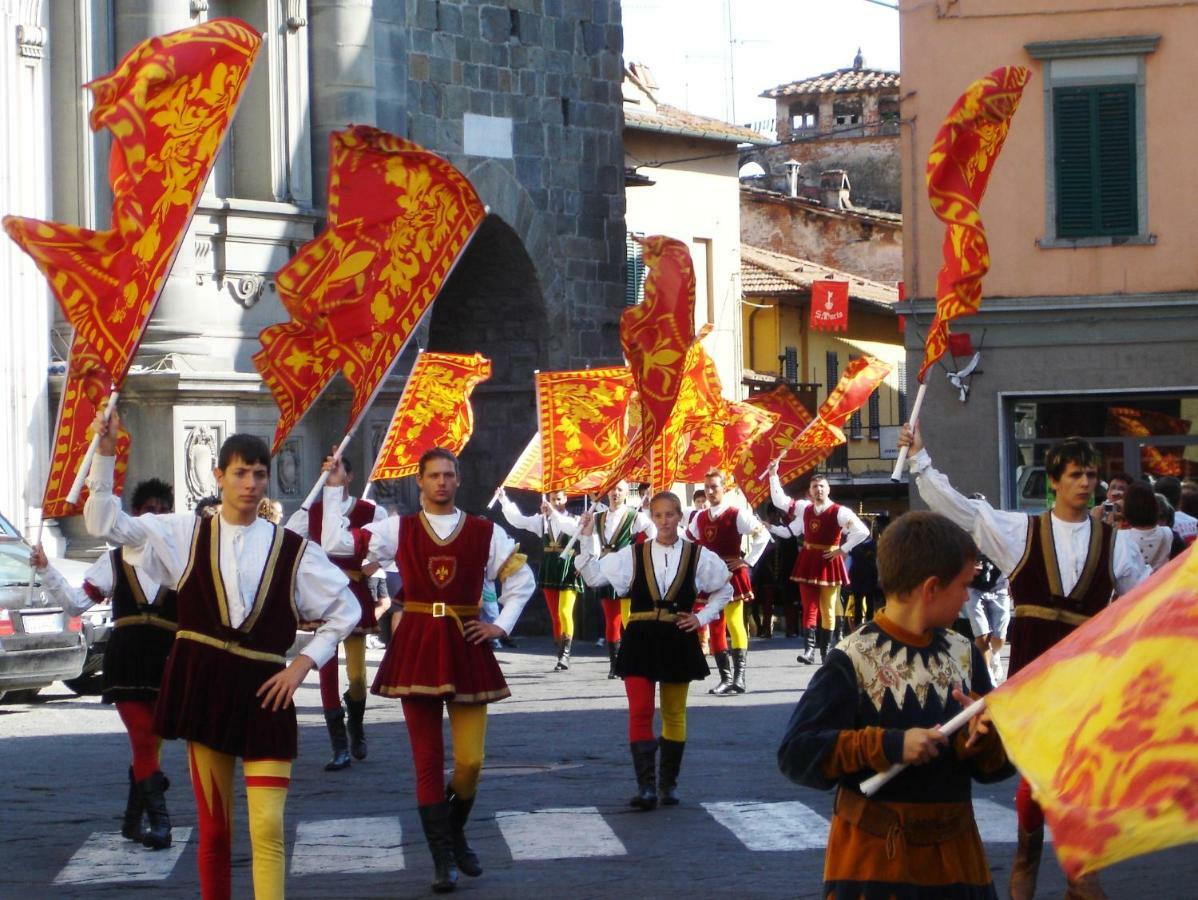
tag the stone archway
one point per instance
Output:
(492, 304)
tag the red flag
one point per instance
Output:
(168, 105)
(399, 217)
(960, 344)
(830, 305)
(434, 411)
(792, 418)
(959, 166)
(582, 415)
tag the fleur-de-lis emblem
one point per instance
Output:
(442, 569)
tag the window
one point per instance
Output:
(902, 390)
(1094, 130)
(875, 425)
(833, 370)
(634, 281)
(1096, 166)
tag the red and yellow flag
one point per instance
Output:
(959, 166)
(168, 106)
(792, 418)
(526, 473)
(1155, 460)
(1104, 725)
(656, 336)
(582, 415)
(699, 416)
(723, 447)
(434, 411)
(399, 218)
(824, 433)
(85, 389)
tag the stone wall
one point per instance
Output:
(873, 164)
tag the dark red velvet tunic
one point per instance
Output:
(360, 515)
(1038, 597)
(720, 535)
(821, 532)
(429, 656)
(214, 670)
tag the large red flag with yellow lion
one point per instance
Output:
(958, 171)
(399, 218)
(1104, 725)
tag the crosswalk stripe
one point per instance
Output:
(997, 824)
(106, 856)
(558, 834)
(788, 825)
(363, 844)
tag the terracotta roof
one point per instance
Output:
(671, 120)
(766, 272)
(838, 82)
(874, 216)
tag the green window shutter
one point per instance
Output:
(634, 281)
(1095, 149)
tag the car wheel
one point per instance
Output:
(26, 695)
(86, 685)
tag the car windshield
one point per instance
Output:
(7, 527)
(14, 562)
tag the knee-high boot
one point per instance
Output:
(438, 832)
(1026, 866)
(613, 650)
(725, 668)
(134, 810)
(153, 796)
(644, 759)
(807, 654)
(334, 720)
(740, 662)
(357, 731)
(667, 772)
(463, 854)
(822, 637)
(563, 654)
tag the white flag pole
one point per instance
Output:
(324, 476)
(874, 783)
(897, 474)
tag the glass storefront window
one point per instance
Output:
(1143, 434)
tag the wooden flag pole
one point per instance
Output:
(81, 476)
(897, 474)
(874, 783)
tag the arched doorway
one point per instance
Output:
(492, 304)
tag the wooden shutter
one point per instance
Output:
(634, 281)
(1095, 154)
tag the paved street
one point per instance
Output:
(551, 820)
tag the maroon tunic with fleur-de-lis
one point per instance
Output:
(821, 533)
(721, 535)
(429, 656)
(360, 515)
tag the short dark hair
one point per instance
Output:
(922, 545)
(700, 493)
(668, 496)
(1118, 476)
(347, 465)
(1139, 505)
(439, 453)
(1171, 488)
(1189, 503)
(249, 448)
(152, 489)
(1071, 450)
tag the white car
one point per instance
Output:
(39, 643)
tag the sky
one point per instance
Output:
(686, 45)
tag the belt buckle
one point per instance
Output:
(438, 610)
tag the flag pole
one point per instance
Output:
(897, 474)
(81, 475)
(874, 783)
(324, 476)
(366, 490)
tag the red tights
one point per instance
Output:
(611, 620)
(138, 718)
(1031, 816)
(468, 728)
(717, 632)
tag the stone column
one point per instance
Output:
(827, 117)
(136, 20)
(342, 88)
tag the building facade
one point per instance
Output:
(1088, 326)
(524, 97)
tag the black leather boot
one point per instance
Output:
(644, 759)
(667, 772)
(807, 654)
(563, 654)
(335, 720)
(153, 797)
(439, 833)
(740, 662)
(821, 641)
(357, 731)
(134, 810)
(613, 650)
(463, 855)
(725, 669)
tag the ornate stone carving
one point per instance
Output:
(295, 15)
(198, 7)
(246, 289)
(200, 455)
(287, 465)
(31, 41)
